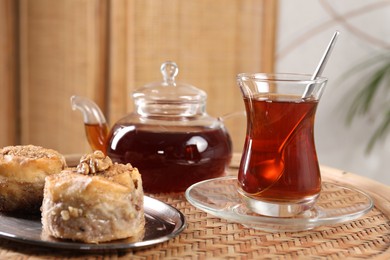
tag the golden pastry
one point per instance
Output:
(97, 202)
(22, 176)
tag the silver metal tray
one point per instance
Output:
(163, 222)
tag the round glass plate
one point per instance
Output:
(163, 222)
(336, 204)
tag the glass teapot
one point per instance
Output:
(169, 136)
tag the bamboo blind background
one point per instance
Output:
(104, 49)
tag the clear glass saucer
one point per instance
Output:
(336, 204)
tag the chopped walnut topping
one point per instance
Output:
(74, 212)
(94, 163)
(65, 215)
(29, 151)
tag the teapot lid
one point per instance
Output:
(169, 96)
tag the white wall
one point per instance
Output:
(304, 30)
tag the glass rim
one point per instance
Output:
(281, 77)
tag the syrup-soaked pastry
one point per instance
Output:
(96, 202)
(23, 170)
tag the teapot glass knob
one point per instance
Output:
(169, 70)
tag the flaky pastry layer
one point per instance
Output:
(94, 208)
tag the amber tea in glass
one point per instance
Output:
(279, 173)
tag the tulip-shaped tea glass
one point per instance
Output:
(279, 173)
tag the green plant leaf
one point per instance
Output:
(380, 132)
(365, 65)
(364, 99)
(374, 92)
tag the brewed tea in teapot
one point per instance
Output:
(169, 137)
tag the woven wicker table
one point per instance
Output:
(209, 237)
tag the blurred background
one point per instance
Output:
(104, 49)
(362, 50)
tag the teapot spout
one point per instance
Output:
(95, 123)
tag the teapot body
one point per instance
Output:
(169, 137)
(171, 155)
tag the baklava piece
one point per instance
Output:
(96, 202)
(22, 176)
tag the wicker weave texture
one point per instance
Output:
(208, 237)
